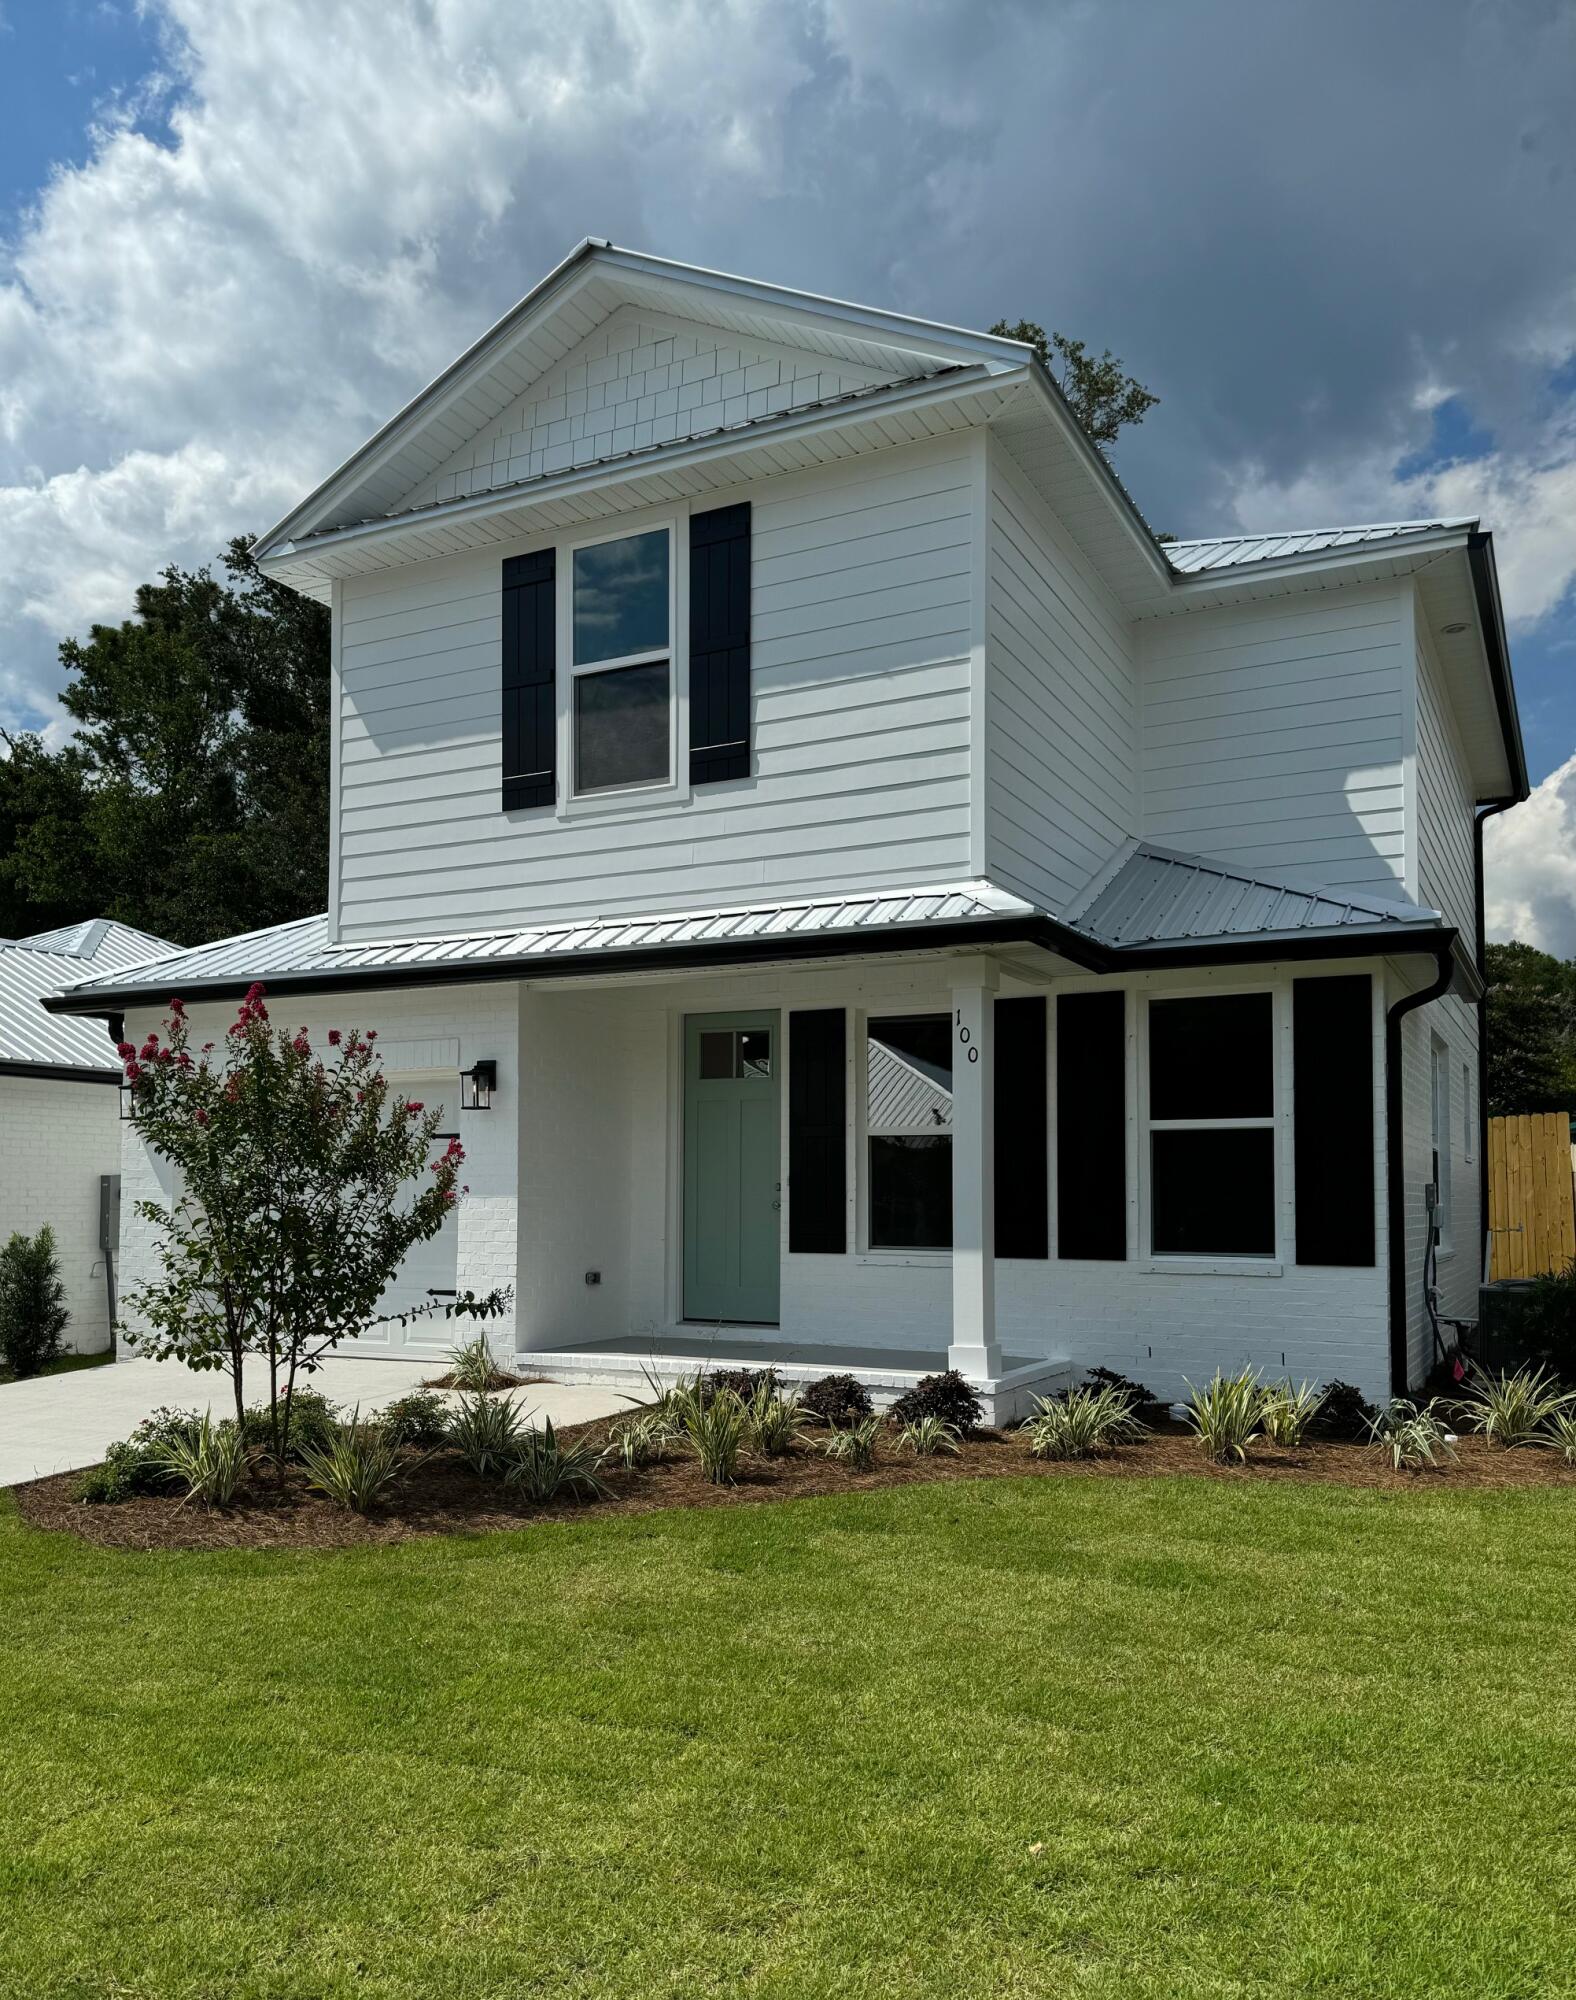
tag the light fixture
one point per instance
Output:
(477, 1085)
(1456, 626)
(125, 1102)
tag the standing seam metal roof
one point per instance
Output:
(32, 967)
(1230, 551)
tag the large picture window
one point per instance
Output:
(908, 1126)
(1212, 1126)
(621, 654)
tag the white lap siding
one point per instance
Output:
(420, 1032)
(56, 1140)
(862, 608)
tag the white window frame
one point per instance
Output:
(573, 803)
(1274, 1121)
(866, 1251)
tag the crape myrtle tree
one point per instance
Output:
(295, 1205)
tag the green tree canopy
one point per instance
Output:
(1531, 1031)
(1104, 397)
(192, 799)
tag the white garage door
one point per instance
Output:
(429, 1275)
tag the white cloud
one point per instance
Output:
(1529, 856)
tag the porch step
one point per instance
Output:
(886, 1373)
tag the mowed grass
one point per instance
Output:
(1064, 1737)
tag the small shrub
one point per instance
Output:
(717, 1428)
(544, 1468)
(314, 1424)
(1227, 1415)
(209, 1465)
(836, 1399)
(356, 1468)
(1413, 1436)
(641, 1439)
(775, 1421)
(139, 1463)
(419, 1420)
(1345, 1413)
(471, 1366)
(745, 1383)
(1289, 1413)
(854, 1446)
(925, 1437)
(1134, 1394)
(485, 1431)
(33, 1316)
(946, 1396)
(1085, 1423)
(1513, 1410)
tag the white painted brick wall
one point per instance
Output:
(56, 1139)
(636, 382)
(481, 1021)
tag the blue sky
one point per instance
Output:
(1339, 241)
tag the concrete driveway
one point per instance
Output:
(56, 1423)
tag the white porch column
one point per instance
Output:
(973, 1350)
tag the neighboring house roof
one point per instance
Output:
(1149, 895)
(1231, 551)
(33, 967)
(1146, 906)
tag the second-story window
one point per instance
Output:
(621, 654)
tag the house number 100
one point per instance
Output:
(963, 1037)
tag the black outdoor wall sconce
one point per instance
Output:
(477, 1085)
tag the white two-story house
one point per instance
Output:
(862, 902)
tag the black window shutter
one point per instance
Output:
(1091, 1125)
(719, 664)
(1333, 1110)
(1022, 1178)
(530, 699)
(817, 1121)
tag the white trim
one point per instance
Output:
(336, 702)
(573, 803)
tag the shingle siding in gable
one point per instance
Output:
(634, 383)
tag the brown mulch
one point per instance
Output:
(441, 1497)
(498, 1379)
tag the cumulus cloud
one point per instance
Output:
(1529, 859)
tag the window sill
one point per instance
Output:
(921, 1259)
(606, 805)
(1212, 1267)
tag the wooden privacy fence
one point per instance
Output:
(1531, 1209)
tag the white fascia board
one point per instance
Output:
(667, 458)
(1044, 385)
(594, 255)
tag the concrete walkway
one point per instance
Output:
(56, 1423)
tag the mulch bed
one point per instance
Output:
(441, 1497)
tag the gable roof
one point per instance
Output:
(32, 968)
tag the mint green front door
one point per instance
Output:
(732, 1167)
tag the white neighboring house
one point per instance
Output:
(60, 1106)
(863, 902)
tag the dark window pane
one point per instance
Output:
(909, 1073)
(716, 1054)
(755, 1052)
(911, 1193)
(1213, 1194)
(621, 727)
(621, 598)
(1091, 1125)
(1212, 1058)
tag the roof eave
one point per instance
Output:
(1491, 623)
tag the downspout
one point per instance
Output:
(1395, 1149)
(1478, 824)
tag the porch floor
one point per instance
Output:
(758, 1349)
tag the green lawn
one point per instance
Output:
(1293, 1740)
(67, 1364)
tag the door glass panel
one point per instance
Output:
(755, 1052)
(716, 1054)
